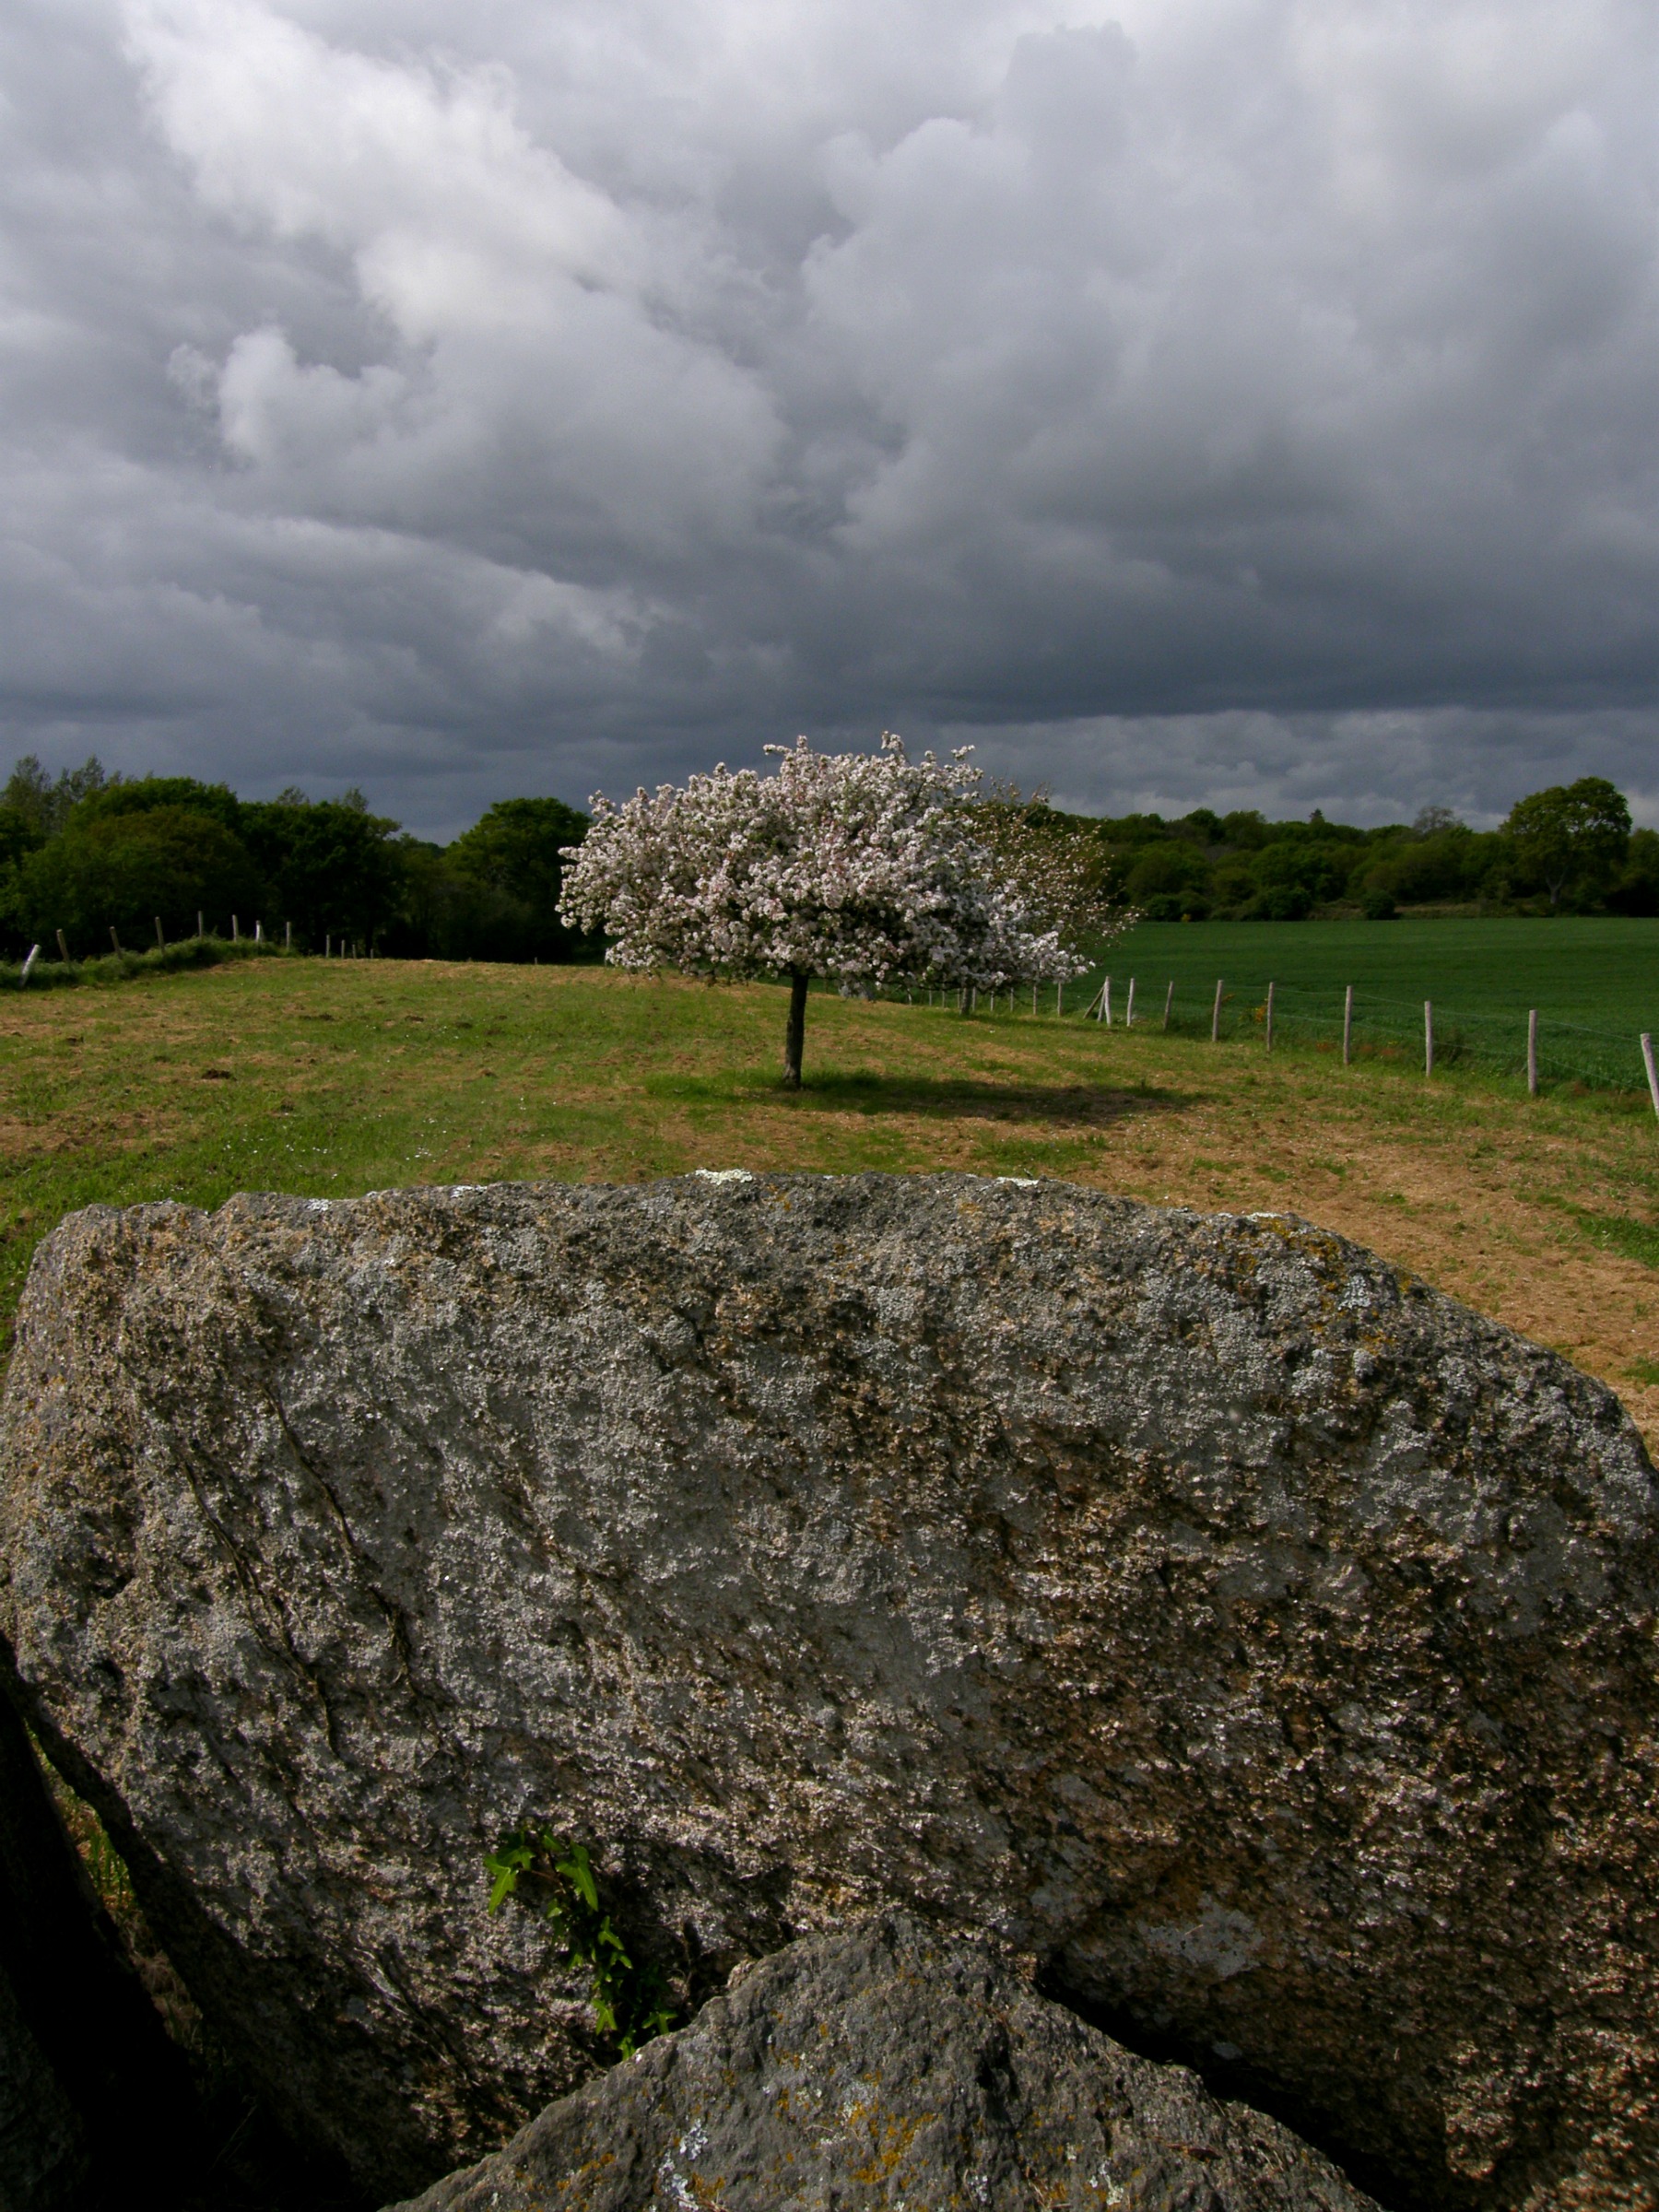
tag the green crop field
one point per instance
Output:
(1593, 979)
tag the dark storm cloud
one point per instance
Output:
(1251, 403)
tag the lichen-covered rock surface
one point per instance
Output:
(882, 2068)
(1261, 1643)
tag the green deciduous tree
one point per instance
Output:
(1569, 840)
(508, 870)
(1295, 874)
(1439, 858)
(1637, 889)
(330, 866)
(45, 804)
(126, 870)
(150, 795)
(33, 808)
(1168, 879)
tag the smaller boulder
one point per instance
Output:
(45, 2163)
(884, 2066)
(95, 2101)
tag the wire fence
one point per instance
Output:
(1232, 1011)
(1378, 1028)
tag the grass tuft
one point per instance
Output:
(129, 967)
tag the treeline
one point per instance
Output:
(1569, 849)
(90, 853)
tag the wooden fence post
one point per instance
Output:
(62, 945)
(160, 938)
(235, 930)
(114, 940)
(1215, 1016)
(27, 964)
(1060, 998)
(1652, 1073)
(1129, 1006)
(1428, 1039)
(1270, 1017)
(1532, 1053)
(1105, 1013)
(200, 931)
(287, 936)
(1168, 1001)
(1347, 1026)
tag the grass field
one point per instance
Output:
(1594, 981)
(333, 1079)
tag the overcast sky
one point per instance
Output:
(1250, 402)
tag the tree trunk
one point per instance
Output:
(794, 1034)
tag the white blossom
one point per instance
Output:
(865, 869)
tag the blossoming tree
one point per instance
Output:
(864, 869)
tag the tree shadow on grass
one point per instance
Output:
(949, 1098)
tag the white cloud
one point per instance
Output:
(520, 300)
(452, 212)
(271, 409)
(1257, 391)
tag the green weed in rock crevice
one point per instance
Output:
(630, 1998)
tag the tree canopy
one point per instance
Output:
(864, 869)
(1570, 837)
(90, 852)
(127, 871)
(330, 864)
(84, 849)
(510, 869)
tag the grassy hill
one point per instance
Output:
(333, 1079)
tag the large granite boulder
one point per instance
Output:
(1258, 1641)
(883, 2068)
